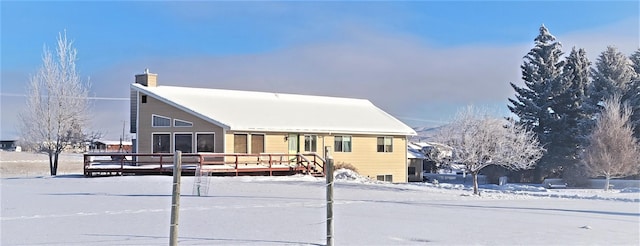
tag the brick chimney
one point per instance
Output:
(147, 79)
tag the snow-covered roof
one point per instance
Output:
(276, 112)
(414, 154)
(114, 142)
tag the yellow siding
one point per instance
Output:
(369, 162)
(364, 155)
(274, 142)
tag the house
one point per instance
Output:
(201, 120)
(416, 162)
(111, 146)
(10, 145)
(435, 155)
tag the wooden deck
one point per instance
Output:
(111, 164)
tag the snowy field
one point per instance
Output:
(72, 210)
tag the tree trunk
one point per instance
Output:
(55, 164)
(51, 169)
(606, 182)
(474, 175)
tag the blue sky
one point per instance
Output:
(420, 61)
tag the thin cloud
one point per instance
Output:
(90, 98)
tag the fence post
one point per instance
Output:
(175, 198)
(329, 174)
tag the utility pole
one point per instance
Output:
(328, 172)
(175, 198)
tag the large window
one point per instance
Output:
(161, 143)
(184, 142)
(240, 143)
(310, 143)
(385, 144)
(161, 121)
(257, 143)
(342, 143)
(205, 142)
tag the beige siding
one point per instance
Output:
(369, 162)
(274, 142)
(364, 155)
(157, 107)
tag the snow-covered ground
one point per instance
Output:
(135, 210)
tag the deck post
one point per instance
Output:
(329, 175)
(175, 198)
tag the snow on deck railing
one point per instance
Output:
(236, 162)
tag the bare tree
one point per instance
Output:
(479, 140)
(56, 112)
(612, 152)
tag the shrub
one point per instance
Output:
(344, 165)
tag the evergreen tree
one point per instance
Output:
(635, 59)
(634, 103)
(614, 74)
(540, 71)
(567, 134)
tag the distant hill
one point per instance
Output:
(425, 133)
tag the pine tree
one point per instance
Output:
(571, 88)
(614, 74)
(635, 59)
(634, 101)
(541, 69)
(567, 132)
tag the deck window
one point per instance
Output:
(385, 144)
(342, 143)
(184, 142)
(161, 143)
(240, 143)
(310, 143)
(161, 121)
(257, 143)
(205, 142)
(182, 123)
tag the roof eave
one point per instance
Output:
(141, 88)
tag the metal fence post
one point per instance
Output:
(175, 198)
(329, 174)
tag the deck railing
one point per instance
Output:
(143, 163)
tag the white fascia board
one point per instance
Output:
(326, 131)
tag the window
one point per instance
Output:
(342, 143)
(184, 142)
(257, 143)
(385, 144)
(385, 178)
(143, 99)
(205, 142)
(182, 123)
(161, 143)
(310, 143)
(411, 170)
(240, 143)
(161, 121)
